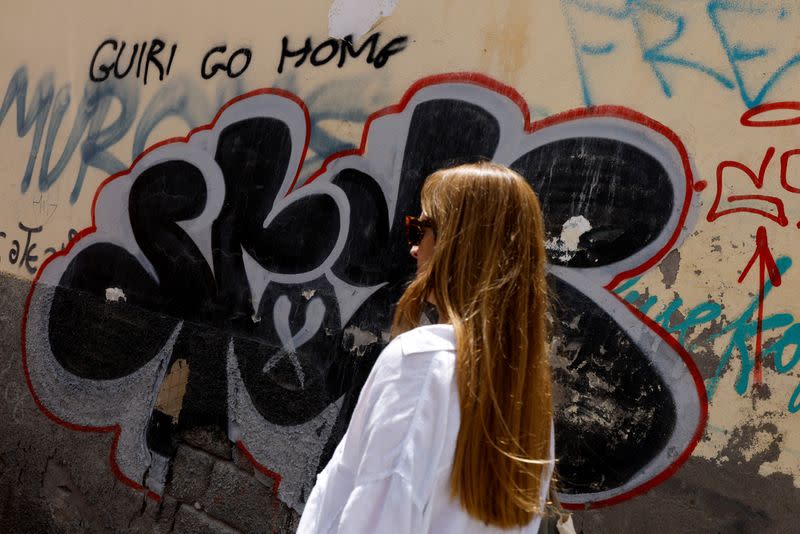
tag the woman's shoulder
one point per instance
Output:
(406, 360)
(405, 400)
(428, 338)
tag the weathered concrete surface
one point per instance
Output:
(703, 497)
(53, 479)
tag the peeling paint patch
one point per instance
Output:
(357, 17)
(669, 267)
(308, 293)
(752, 431)
(567, 244)
(575, 322)
(173, 389)
(788, 461)
(595, 382)
(760, 442)
(115, 294)
(361, 338)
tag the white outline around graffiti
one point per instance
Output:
(272, 444)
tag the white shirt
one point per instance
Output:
(391, 471)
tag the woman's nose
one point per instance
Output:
(414, 250)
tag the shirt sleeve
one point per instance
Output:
(382, 470)
(321, 505)
(380, 430)
(380, 444)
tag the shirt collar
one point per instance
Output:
(429, 338)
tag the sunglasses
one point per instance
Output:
(415, 229)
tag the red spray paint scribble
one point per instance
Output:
(758, 181)
(766, 263)
(750, 114)
(762, 253)
(749, 119)
(785, 157)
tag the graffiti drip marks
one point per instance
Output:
(615, 179)
(272, 299)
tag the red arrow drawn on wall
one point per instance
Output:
(765, 263)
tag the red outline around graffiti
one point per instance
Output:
(93, 228)
(276, 478)
(618, 112)
(747, 117)
(698, 433)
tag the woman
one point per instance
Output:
(453, 428)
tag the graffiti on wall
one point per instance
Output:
(111, 60)
(95, 131)
(781, 353)
(750, 37)
(754, 192)
(270, 296)
(24, 251)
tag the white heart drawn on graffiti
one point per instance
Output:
(315, 313)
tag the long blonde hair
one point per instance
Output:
(487, 275)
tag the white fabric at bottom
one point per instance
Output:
(390, 473)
